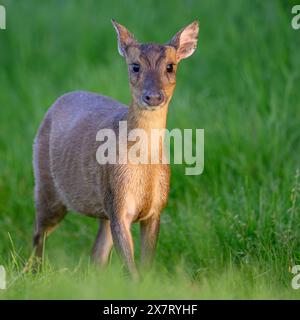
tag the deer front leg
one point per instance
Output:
(149, 235)
(103, 243)
(120, 229)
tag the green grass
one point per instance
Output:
(232, 232)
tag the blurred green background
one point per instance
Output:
(232, 232)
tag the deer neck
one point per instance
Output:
(138, 118)
(147, 121)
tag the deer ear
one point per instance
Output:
(125, 38)
(185, 41)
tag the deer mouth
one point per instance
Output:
(153, 108)
(147, 107)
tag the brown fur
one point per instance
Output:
(68, 177)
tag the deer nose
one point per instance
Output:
(153, 98)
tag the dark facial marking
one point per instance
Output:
(152, 54)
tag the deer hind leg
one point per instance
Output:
(50, 210)
(48, 216)
(103, 243)
(46, 221)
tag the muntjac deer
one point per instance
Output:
(67, 175)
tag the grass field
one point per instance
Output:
(232, 232)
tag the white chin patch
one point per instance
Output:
(152, 108)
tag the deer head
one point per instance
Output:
(152, 67)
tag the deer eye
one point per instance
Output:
(170, 67)
(135, 67)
